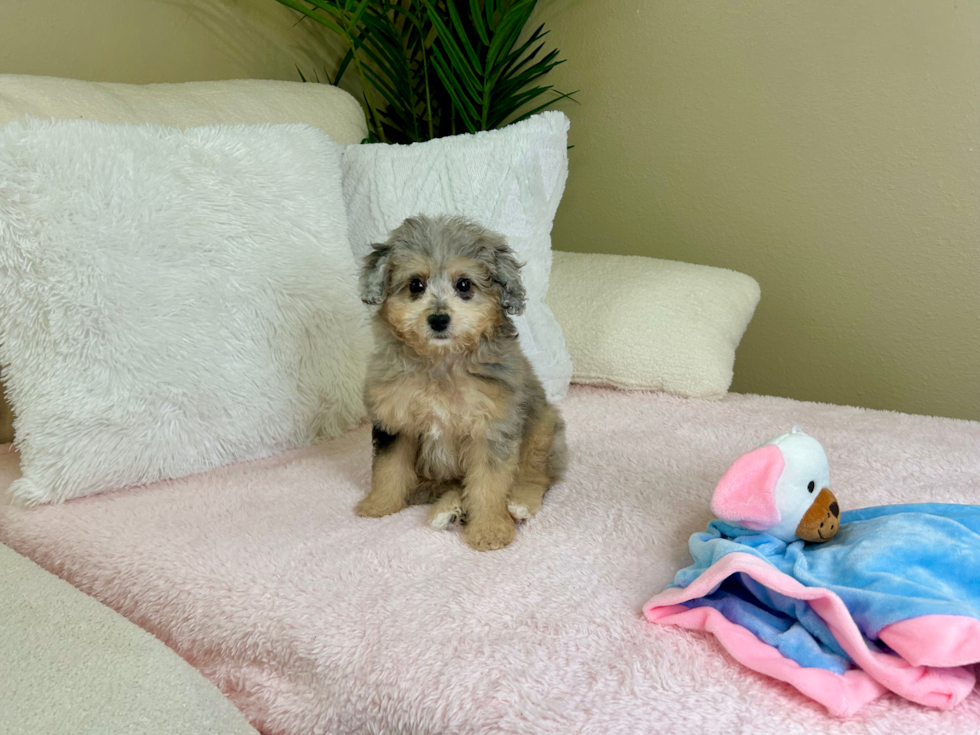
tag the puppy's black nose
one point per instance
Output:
(439, 322)
(835, 509)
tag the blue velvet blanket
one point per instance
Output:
(908, 576)
(888, 564)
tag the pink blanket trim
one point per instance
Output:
(943, 683)
(935, 640)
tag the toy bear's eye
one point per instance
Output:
(810, 486)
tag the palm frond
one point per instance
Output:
(430, 68)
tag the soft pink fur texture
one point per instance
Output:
(315, 621)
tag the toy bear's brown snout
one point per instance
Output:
(822, 521)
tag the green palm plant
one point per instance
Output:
(431, 68)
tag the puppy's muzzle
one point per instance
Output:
(439, 322)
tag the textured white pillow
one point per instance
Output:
(509, 180)
(648, 324)
(182, 105)
(171, 300)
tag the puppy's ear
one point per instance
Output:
(506, 273)
(374, 275)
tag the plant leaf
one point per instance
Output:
(344, 63)
(312, 15)
(477, 16)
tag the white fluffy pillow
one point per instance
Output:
(509, 180)
(171, 300)
(649, 324)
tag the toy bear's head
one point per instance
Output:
(782, 488)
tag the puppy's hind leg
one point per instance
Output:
(427, 492)
(448, 509)
(525, 500)
(542, 463)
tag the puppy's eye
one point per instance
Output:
(416, 286)
(810, 486)
(463, 285)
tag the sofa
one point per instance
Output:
(308, 619)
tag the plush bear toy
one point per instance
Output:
(782, 488)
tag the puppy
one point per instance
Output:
(460, 419)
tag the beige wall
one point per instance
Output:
(829, 148)
(143, 41)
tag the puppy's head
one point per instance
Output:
(443, 284)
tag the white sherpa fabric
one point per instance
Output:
(313, 620)
(184, 105)
(509, 180)
(647, 324)
(171, 301)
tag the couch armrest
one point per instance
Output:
(72, 665)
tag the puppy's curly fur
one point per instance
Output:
(460, 419)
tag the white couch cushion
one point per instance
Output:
(185, 105)
(172, 300)
(72, 665)
(647, 324)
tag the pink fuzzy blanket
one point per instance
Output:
(315, 621)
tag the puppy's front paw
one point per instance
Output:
(375, 507)
(490, 535)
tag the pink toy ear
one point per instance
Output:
(746, 493)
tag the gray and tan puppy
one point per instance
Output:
(460, 419)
